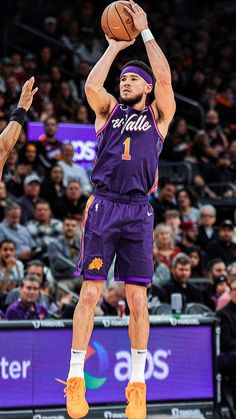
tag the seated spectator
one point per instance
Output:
(82, 115)
(196, 257)
(161, 272)
(231, 272)
(73, 171)
(63, 254)
(65, 104)
(227, 317)
(186, 201)
(43, 229)
(223, 246)
(26, 307)
(189, 236)
(172, 218)
(164, 202)
(218, 139)
(34, 267)
(177, 147)
(11, 229)
(10, 267)
(90, 49)
(27, 202)
(73, 203)
(206, 231)
(110, 299)
(29, 156)
(165, 242)
(179, 282)
(52, 188)
(221, 295)
(51, 147)
(3, 199)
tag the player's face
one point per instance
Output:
(132, 88)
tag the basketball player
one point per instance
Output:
(10, 134)
(119, 220)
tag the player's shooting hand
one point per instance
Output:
(27, 94)
(119, 44)
(138, 15)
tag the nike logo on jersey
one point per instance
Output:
(149, 213)
(128, 124)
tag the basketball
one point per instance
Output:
(117, 23)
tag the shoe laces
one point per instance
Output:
(135, 395)
(72, 390)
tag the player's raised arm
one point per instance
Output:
(164, 103)
(99, 99)
(10, 134)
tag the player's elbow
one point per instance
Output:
(90, 87)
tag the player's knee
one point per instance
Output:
(90, 296)
(138, 303)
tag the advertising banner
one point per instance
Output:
(179, 365)
(81, 136)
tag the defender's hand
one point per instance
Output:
(138, 15)
(119, 45)
(27, 94)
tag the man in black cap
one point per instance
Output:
(223, 246)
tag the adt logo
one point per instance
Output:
(92, 383)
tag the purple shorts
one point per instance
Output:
(118, 225)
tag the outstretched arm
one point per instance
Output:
(99, 99)
(10, 134)
(164, 103)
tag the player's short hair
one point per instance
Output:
(142, 65)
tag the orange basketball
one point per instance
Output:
(117, 23)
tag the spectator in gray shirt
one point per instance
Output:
(11, 229)
(63, 254)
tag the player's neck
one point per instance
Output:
(139, 106)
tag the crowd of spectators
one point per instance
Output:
(43, 193)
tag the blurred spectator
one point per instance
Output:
(177, 146)
(9, 170)
(161, 272)
(165, 242)
(73, 203)
(196, 257)
(206, 230)
(44, 94)
(2, 315)
(48, 111)
(30, 65)
(51, 146)
(71, 40)
(31, 194)
(223, 246)
(165, 201)
(73, 171)
(27, 308)
(172, 218)
(221, 295)
(43, 228)
(228, 334)
(231, 272)
(63, 254)
(90, 49)
(189, 236)
(81, 115)
(12, 91)
(17, 67)
(29, 157)
(65, 103)
(179, 282)
(34, 267)
(45, 61)
(52, 188)
(11, 229)
(10, 267)
(186, 200)
(3, 199)
(3, 107)
(110, 299)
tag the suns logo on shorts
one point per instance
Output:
(96, 264)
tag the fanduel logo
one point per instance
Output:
(113, 415)
(186, 413)
(38, 416)
(156, 365)
(128, 124)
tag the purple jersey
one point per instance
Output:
(129, 145)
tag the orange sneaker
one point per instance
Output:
(136, 396)
(76, 404)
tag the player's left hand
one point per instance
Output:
(27, 94)
(139, 16)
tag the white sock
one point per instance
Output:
(138, 357)
(77, 363)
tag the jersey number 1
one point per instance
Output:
(126, 155)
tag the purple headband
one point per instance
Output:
(142, 73)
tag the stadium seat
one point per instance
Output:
(178, 172)
(162, 309)
(197, 308)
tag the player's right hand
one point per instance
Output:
(27, 94)
(119, 44)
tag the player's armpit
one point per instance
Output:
(164, 106)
